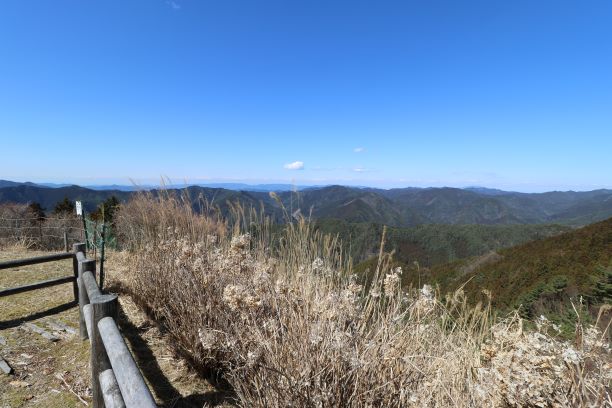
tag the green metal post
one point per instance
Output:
(85, 228)
(102, 243)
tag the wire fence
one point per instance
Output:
(41, 233)
(21, 225)
(98, 237)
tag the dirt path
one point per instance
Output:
(55, 373)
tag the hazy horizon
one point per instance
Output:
(125, 182)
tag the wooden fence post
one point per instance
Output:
(75, 268)
(102, 306)
(65, 241)
(134, 390)
(80, 293)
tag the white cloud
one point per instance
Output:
(296, 165)
(173, 4)
(360, 170)
(359, 150)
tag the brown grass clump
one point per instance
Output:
(287, 324)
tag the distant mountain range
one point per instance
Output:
(6, 183)
(399, 207)
(147, 187)
(411, 206)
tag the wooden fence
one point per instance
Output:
(43, 284)
(115, 377)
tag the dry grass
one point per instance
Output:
(170, 378)
(287, 324)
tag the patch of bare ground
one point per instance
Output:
(56, 373)
(479, 261)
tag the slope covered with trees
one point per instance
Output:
(540, 276)
(432, 244)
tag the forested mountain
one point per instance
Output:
(541, 275)
(431, 245)
(412, 206)
(403, 207)
(47, 197)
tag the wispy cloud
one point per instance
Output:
(360, 169)
(173, 4)
(296, 165)
(359, 150)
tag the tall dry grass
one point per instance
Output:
(280, 315)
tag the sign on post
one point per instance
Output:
(79, 208)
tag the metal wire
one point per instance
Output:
(35, 237)
(40, 227)
(38, 219)
(95, 233)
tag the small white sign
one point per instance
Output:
(79, 208)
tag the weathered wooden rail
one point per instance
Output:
(43, 284)
(115, 377)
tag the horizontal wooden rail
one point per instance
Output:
(36, 260)
(90, 285)
(38, 285)
(43, 284)
(88, 314)
(110, 390)
(133, 388)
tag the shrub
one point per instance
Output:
(64, 207)
(105, 212)
(37, 211)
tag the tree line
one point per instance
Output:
(105, 211)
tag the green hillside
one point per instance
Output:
(432, 244)
(540, 276)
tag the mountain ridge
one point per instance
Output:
(395, 207)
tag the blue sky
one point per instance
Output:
(508, 94)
